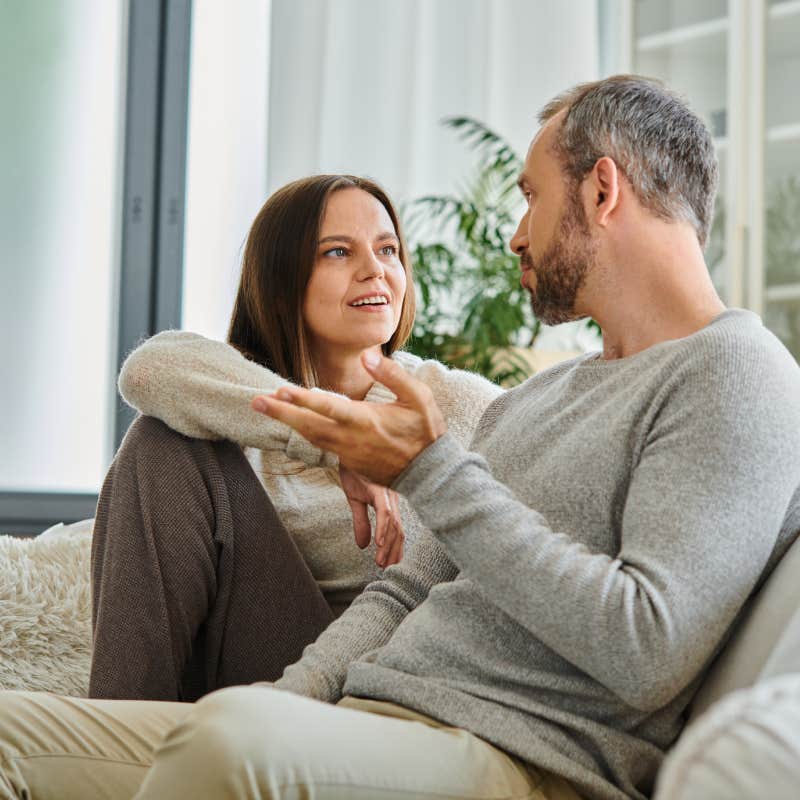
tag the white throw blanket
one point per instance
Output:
(45, 610)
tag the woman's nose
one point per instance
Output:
(370, 267)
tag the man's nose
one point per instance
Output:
(519, 241)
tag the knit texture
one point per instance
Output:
(196, 583)
(588, 557)
(202, 388)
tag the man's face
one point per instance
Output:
(553, 240)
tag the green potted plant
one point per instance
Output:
(473, 313)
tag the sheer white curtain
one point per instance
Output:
(355, 86)
(361, 85)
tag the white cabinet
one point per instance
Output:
(738, 64)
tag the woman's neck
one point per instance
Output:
(345, 374)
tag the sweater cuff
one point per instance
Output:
(419, 479)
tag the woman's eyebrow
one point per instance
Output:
(342, 238)
(336, 238)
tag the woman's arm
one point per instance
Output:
(202, 388)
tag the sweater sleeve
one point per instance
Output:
(369, 622)
(704, 504)
(202, 388)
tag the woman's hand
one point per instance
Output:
(389, 535)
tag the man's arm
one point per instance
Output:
(702, 511)
(369, 622)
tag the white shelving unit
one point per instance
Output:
(738, 63)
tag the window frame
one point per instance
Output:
(150, 257)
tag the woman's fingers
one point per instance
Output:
(392, 550)
(384, 523)
(361, 525)
(396, 553)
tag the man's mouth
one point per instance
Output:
(525, 262)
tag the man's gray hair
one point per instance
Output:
(662, 147)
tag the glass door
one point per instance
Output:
(685, 44)
(782, 172)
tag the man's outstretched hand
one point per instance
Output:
(377, 440)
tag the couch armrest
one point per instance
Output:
(745, 747)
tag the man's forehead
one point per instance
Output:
(542, 142)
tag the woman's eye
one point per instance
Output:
(389, 250)
(337, 252)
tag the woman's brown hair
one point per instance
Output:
(267, 322)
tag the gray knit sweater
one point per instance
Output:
(588, 558)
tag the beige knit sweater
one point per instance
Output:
(203, 388)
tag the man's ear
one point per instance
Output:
(603, 187)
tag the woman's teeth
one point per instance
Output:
(371, 301)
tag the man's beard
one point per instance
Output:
(561, 270)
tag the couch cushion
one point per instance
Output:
(747, 746)
(763, 624)
(45, 603)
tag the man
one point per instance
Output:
(588, 557)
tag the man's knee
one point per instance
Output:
(239, 722)
(231, 739)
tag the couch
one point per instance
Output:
(743, 737)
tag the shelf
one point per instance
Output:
(778, 133)
(784, 133)
(684, 35)
(783, 293)
(786, 9)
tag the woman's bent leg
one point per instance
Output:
(66, 748)
(196, 583)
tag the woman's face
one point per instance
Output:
(355, 294)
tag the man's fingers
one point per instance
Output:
(315, 427)
(325, 404)
(408, 390)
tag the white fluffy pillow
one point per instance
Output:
(745, 747)
(45, 611)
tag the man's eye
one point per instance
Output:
(336, 252)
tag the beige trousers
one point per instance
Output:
(248, 742)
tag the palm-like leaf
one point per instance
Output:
(471, 306)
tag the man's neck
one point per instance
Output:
(655, 293)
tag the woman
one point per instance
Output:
(213, 566)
